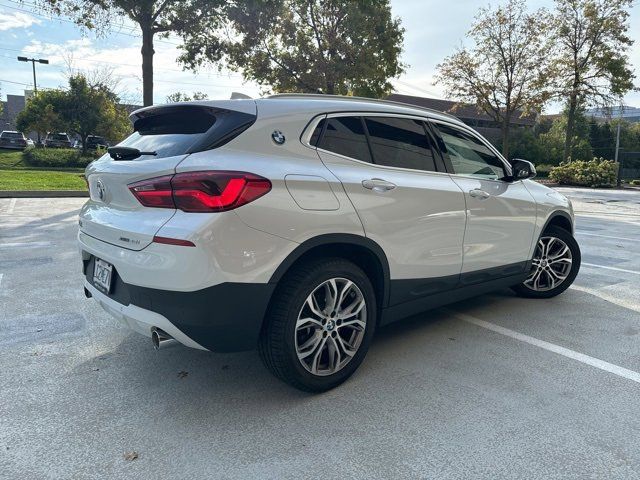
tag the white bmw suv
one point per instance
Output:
(299, 224)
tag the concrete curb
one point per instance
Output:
(42, 193)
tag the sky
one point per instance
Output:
(433, 30)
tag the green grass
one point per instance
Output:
(15, 175)
(40, 180)
(9, 158)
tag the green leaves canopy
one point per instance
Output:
(591, 66)
(330, 46)
(506, 69)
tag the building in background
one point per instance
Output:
(10, 110)
(469, 114)
(629, 114)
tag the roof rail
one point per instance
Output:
(322, 96)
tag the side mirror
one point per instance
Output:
(522, 169)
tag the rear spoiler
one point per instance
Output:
(231, 117)
(247, 106)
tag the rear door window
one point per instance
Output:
(400, 142)
(345, 136)
(12, 135)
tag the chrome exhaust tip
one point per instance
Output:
(161, 339)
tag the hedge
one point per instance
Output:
(594, 173)
(543, 169)
(56, 157)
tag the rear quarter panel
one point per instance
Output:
(320, 205)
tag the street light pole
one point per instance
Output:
(619, 179)
(33, 64)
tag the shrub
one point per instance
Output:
(56, 157)
(544, 169)
(635, 182)
(595, 173)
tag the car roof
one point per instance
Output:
(312, 104)
(8, 131)
(338, 103)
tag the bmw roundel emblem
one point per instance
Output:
(278, 137)
(101, 190)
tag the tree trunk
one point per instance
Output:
(147, 63)
(84, 144)
(571, 120)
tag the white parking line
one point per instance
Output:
(1, 275)
(593, 265)
(607, 216)
(580, 357)
(24, 244)
(580, 232)
(607, 296)
(12, 205)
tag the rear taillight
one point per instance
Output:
(215, 191)
(154, 192)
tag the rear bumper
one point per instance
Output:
(139, 319)
(13, 146)
(224, 318)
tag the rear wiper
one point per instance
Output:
(127, 153)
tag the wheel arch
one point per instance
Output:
(362, 251)
(560, 219)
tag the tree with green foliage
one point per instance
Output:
(552, 142)
(602, 139)
(185, 97)
(342, 47)
(591, 67)
(39, 114)
(505, 72)
(153, 17)
(82, 109)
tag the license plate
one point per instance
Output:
(102, 275)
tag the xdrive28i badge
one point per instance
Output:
(278, 137)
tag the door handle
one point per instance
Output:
(479, 194)
(378, 185)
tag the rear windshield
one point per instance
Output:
(171, 131)
(12, 135)
(59, 136)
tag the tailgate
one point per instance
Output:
(113, 214)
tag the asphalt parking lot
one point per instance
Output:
(495, 387)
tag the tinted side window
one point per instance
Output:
(400, 142)
(345, 136)
(315, 136)
(468, 155)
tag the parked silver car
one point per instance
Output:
(57, 140)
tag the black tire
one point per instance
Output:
(524, 290)
(277, 345)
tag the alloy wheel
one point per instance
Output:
(551, 266)
(330, 326)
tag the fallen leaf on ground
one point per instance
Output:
(128, 456)
(182, 374)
